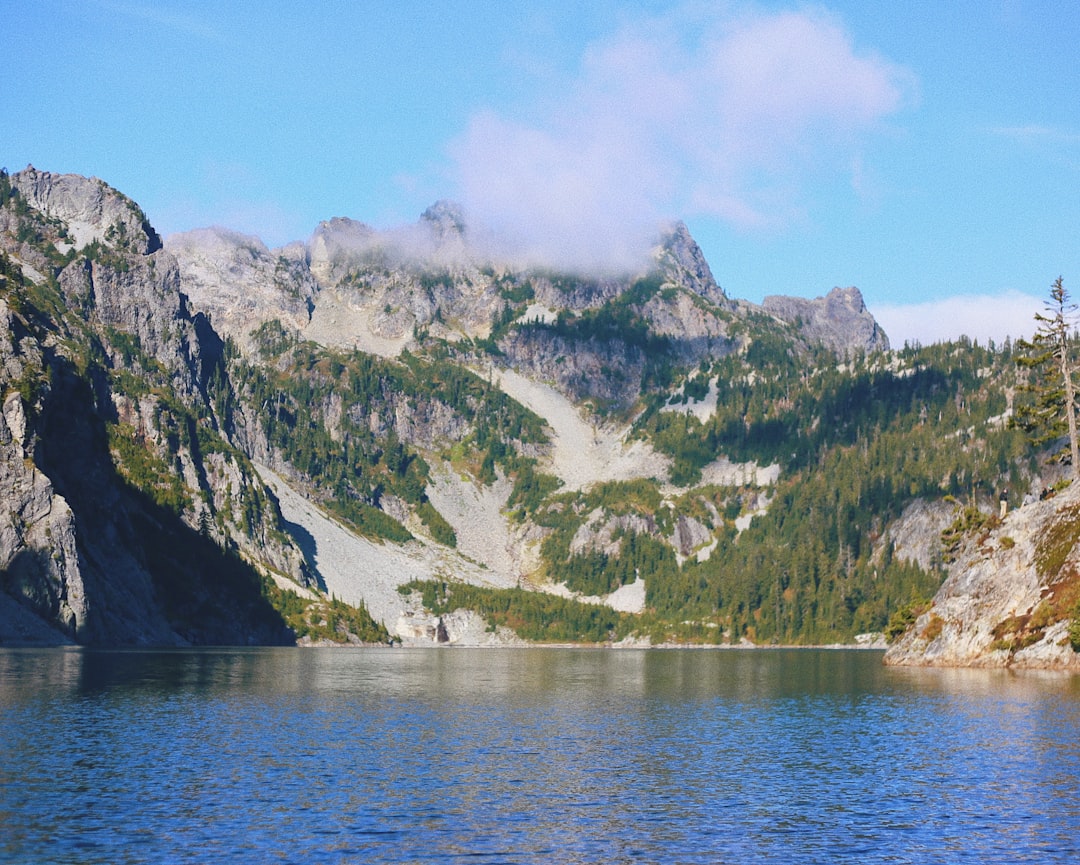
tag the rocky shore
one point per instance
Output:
(1010, 595)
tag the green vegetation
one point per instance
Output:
(533, 616)
(320, 409)
(145, 468)
(854, 441)
(969, 521)
(857, 444)
(904, 617)
(1049, 412)
(113, 432)
(321, 620)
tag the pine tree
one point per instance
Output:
(1050, 411)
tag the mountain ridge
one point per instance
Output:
(216, 261)
(519, 453)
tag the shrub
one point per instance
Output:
(441, 530)
(933, 628)
(904, 617)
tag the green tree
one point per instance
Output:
(1050, 410)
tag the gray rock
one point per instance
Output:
(240, 284)
(683, 263)
(90, 209)
(840, 320)
(75, 540)
(689, 536)
(987, 612)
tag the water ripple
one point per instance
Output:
(530, 756)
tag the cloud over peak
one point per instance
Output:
(675, 117)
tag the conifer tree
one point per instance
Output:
(1050, 411)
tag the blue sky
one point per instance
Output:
(926, 152)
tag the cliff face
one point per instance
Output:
(112, 497)
(89, 210)
(239, 284)
(1010, 596)
(353, 287)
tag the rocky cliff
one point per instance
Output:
(113, 499)
(1012, 594)
(353, 287)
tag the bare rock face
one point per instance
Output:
(90, 208)
(446, 222)
(916, 534)
(338, 246)
(1007, 599)
(690, 535)
(603, 533)
(353, 287)
(131, 444)
(240, 284)
(107, 500)
(840, 320)
(39, 562)
(605, 370)
(696, 330)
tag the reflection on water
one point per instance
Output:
(531, 755)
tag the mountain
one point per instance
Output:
(839, 320)
(376, 436)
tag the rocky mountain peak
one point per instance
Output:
(840, 320)
(335, 244)
(682, 262)
(421, 410)
(90, 208)
(445, 219)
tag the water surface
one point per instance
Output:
(531, 755)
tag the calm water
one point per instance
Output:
(328, 756)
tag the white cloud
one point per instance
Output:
(677, 117)
(1009, 313)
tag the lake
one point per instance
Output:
(530, 756)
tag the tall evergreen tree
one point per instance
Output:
(1051, 409)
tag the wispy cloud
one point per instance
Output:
(678, 116)
(1008, 313)
(1035, 132)
(184, 24)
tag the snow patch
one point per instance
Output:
(702, 409)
